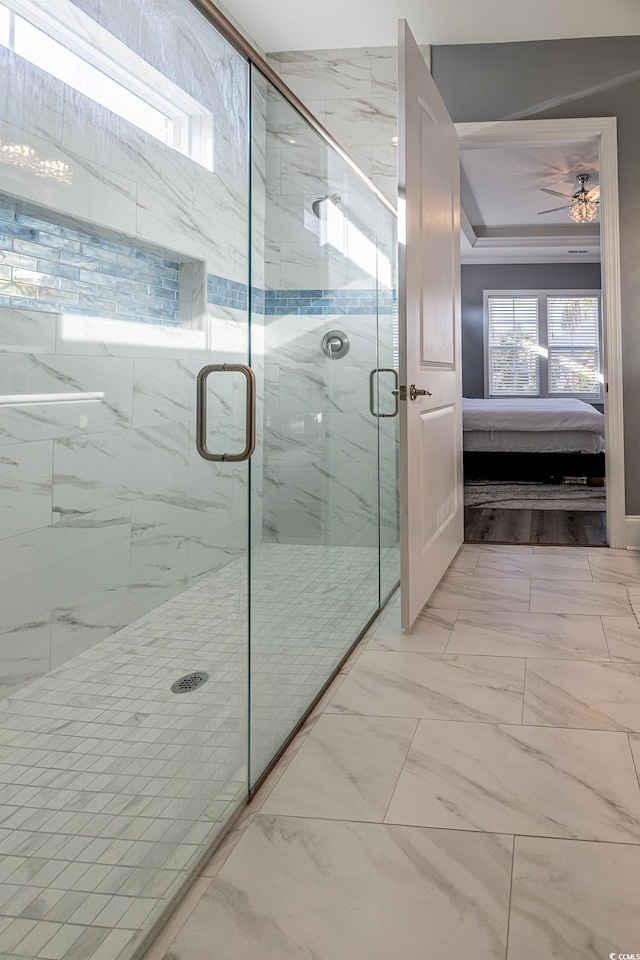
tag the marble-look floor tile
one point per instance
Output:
(623, 638)
(434, 687)
(596, 696)
(551, 551)
(429, 633)
(347, 769)
(177, 920)
(310, 888)
(612, 552)
(533, 567)
(465, 560)
(577, 784)
(577, 596)
(553, 635)
(634, 740)
(499, 548)
(458, 591)
(617, 569)
(573, 899)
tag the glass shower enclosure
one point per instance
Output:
(199, 453)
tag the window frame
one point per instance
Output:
(543, 341)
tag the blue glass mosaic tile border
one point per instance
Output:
(44, 266)
(226, 293)
(229, 293)
(326, 302)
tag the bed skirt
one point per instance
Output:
(538, 467)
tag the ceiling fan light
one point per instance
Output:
(583, 210)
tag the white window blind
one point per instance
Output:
(573, 331)
(513, 345)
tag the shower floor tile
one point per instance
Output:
(112, 788)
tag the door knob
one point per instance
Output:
(414, 392)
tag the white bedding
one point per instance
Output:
(537, 426)
(524, 441)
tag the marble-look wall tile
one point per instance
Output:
(95, 193)
(117, 467)
(26, 331)
(189, 231)
(305, 266)
(97, 336)
(46, 374)
(362, 120)
(101, 136)
(159, 542)
(163, 391)
(24, 653)
(106, 509)
(279, 57)
(328, 79)
(91, 617)
(25, 487)
(213, 545)
(45, 568)
(373, 53)
(384, 75)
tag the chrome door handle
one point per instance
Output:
(372, 377)
(201, 412)
(414, 392)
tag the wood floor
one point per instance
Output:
(552, 527)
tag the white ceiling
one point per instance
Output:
(309, 25)
(502, 200)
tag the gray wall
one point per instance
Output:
(509, 276)
(568, 78)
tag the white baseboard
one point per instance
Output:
(632, 532)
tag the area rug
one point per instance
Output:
(534, 496)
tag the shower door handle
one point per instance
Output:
(201, 412)
(372, 379)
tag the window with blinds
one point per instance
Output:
(573, 336)
(543, 343)
(513, 346)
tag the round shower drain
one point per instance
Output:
(189, 682)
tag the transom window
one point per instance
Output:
(66, 43)
(543, 343)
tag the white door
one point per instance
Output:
(432, 509)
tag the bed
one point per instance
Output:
(541, 440)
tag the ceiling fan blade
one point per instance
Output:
(554, 193)
(553, 209)
(594, 194)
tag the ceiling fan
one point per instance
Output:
(583, 204)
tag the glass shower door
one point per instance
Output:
(385, 382)
(315, 531)
(123, 553)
